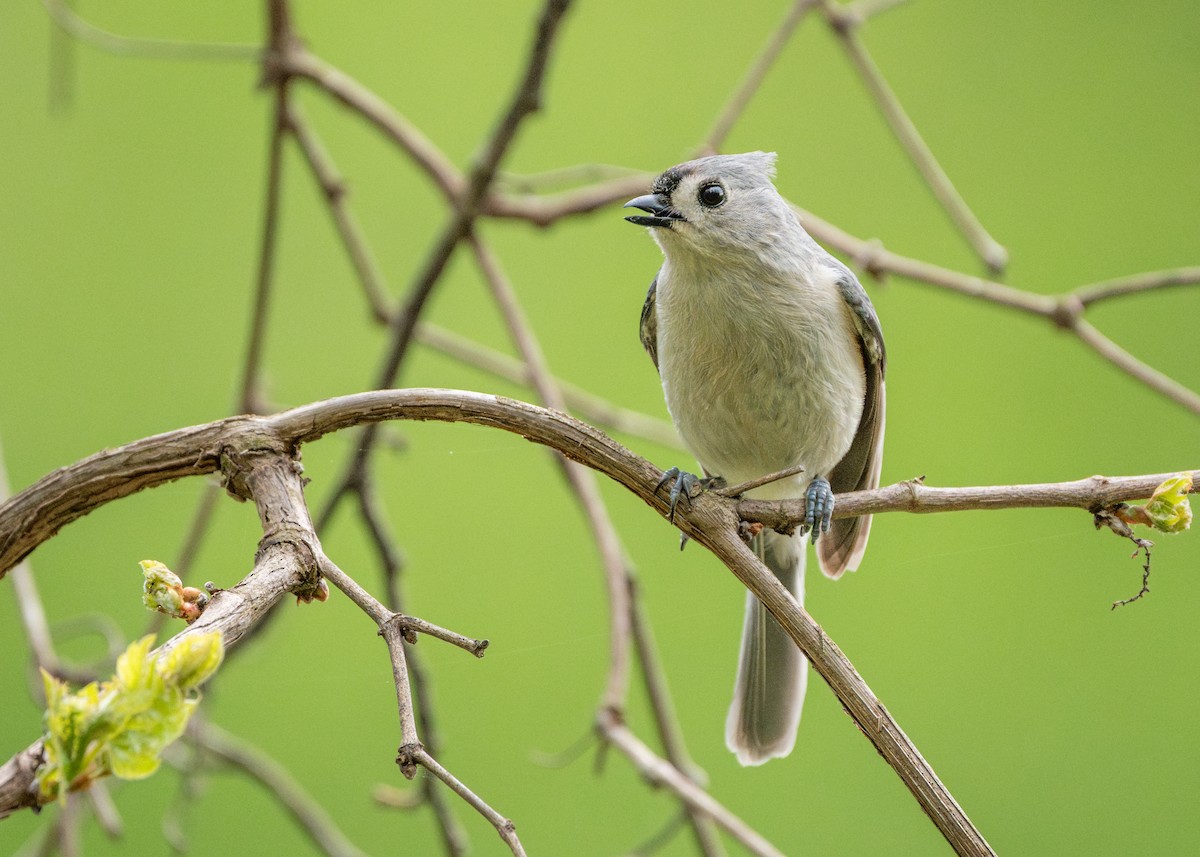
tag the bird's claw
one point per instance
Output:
(687, 485)
(818, 507)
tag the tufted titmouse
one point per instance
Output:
(771, 356)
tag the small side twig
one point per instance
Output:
(751, 484)
(410, 626)
(1145, 282)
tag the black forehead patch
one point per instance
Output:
(668, 181)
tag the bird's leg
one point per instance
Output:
(818, 507)
(687, 485)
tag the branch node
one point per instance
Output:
(408, 757)
(870, 257)
(843, 19)
(1068, 309)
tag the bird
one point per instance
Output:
(771, 357)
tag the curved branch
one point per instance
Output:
(39, 511)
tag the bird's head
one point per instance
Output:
(714, 205)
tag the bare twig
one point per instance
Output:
(582, 483)
(667, 723)
(1129, 364)
(989, 250)
(659, 772)
(105, 810)
(312, 818)
(546, 210)
(365, 103)
(454, 837)
(526, 100)
(1121, 286)
(866, 9)
(78, 28)
(197, 529)
(29, 604)
(737, 103)
(280, 37)
(411, 752)
(333, 188)
(411, 625)
(1145, 547)
(592, 408)
(504, 826)
(751, 484)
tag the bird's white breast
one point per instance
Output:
(760, 371)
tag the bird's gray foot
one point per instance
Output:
(687, 485)
(818, 507)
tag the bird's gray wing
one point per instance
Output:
(842, 547)
(648, 330)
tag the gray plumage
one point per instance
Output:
(771, 356)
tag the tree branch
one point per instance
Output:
(1091, 494)
(312, 818)
(252, 451)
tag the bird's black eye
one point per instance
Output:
(712, 195)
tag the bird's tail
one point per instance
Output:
(772, 673)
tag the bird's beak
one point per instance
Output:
(658, 206)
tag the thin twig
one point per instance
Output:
(1145, 588)
(655, 680)
(393, 635)
(751, 484)
(581, 481)
(1148, 281)
(299, 63)
(1134, 367)
(989, 250)
(280, 36)
(549, 209)
(526, 100)
(73, 25)
(413, 625)
(866, 9)
(590, 407)
(577, 174)
(312, 818)
(504, 826)
(99, 797)
(659, 772)
(333, 188)
(29, 602)
(738, 101)
(454, 837)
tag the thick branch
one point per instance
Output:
(40, 510)
(284, 563)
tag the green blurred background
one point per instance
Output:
(128, 236)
